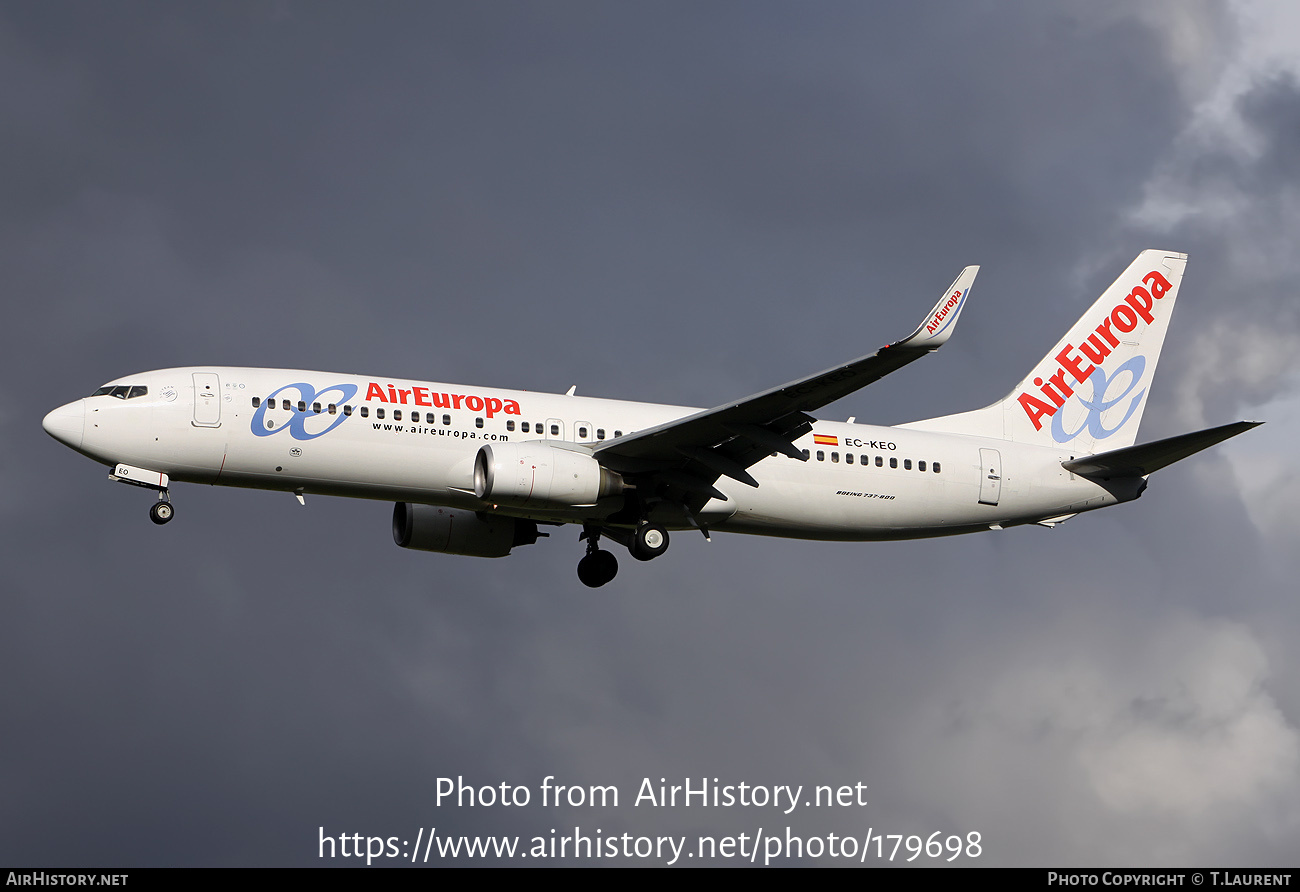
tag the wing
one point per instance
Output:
(689, 454)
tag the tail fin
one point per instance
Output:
(1090, 389)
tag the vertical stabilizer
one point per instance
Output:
(1089, 391)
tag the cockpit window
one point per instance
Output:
(122, 391)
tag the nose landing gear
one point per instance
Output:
(162, 511)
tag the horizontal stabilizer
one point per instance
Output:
(1138, 461)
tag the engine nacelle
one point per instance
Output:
(456, 531)
(533, 474)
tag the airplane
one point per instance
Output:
(479, 471)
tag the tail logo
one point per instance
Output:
(1095, 349)
(1135, 366)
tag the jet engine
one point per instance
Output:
(533, 474)
(456, 531)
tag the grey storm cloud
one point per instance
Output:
(682, 203)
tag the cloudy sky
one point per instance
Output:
(681, 203)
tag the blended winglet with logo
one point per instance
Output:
(692, 452)
(939, 325)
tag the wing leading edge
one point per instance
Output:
(690, 453)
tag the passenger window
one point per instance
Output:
(618, 434)
(863, 459)
(523, 426)
(555, 430)
(907, 464)
(446, 419)
(397, 414)
(332, 409)
(347, 410)
(880, 462)
(835, 457)
(600, 433)
(478, 422)
(256, 402)
(805, 455)
(315, 407)
(920, 466)
(285, 405)
(848, 458)
(302, 405)
(893, 462)
(379, 413)
(821, 456)
(582, 433)
(936, 467)
(510, 425)
(365, 411)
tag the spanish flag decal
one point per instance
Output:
(826, 440)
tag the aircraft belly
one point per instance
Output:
(354, 466)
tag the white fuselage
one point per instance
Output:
(416, 441)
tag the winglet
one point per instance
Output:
(938, 326)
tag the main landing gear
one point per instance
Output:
(599, 566)
(648, 542)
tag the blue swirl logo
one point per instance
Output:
(1100, 402)
(297, 424)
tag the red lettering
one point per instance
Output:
(1094, 349)
(512, 408)
(404, 394)
(1105, 332)
(493, 406)
(422, 396)
(1158, 284)
(441, 401)
(392, 394)
(474, 403)
(455, 400)
(1124, 318)
(1036, 409)
(1059, 380)
(1072, 363)
(1048, 391)
(375, 392)
(1140, 300)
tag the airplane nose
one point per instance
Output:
(67, 423)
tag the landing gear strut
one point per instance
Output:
(162, 511)
(599, 566)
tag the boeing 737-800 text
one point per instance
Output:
(477, 470)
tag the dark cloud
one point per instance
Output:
(681, 204)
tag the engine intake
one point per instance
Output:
(456, 531)
(533, 474)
